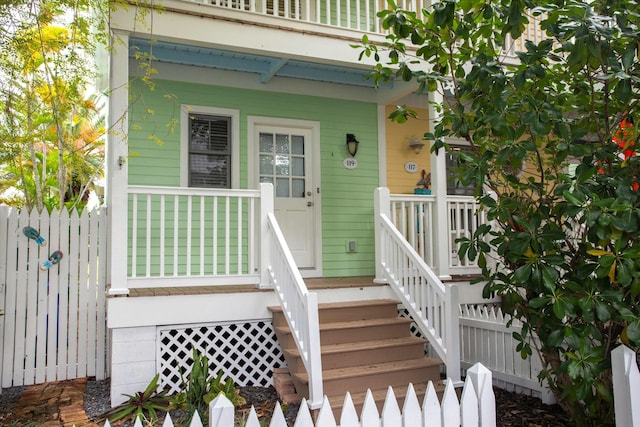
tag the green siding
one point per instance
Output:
(347, 195)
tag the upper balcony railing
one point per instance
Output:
(348, 14)
(359, 15)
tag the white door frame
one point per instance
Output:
(314, 150)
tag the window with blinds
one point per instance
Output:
(209, 151)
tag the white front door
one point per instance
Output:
(286, 159)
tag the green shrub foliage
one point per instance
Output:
(552, 132)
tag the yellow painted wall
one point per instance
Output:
(398, 152)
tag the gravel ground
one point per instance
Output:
(514, 410)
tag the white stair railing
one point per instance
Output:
(432, 306)
(299, 306)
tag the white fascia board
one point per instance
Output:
(197, 24)
(128, 312)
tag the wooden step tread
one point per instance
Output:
(353, 324)
(365, 323)
(345, 304)
(363, 345)
(386, 367)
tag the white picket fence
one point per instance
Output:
(54, 322)
(476, 408)
(485, 338)
(626, 386)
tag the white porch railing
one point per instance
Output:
(299, 306)
(414, 217)
(431, 305)
(464, 219)
(191, 236)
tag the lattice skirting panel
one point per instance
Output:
(246, 352)
(415, 331)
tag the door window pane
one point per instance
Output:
(297, 167)
(266, 142)
(282, 165)
(282, 187)
(297, 144)
(266, 164)
(282, 143)
(297, 187)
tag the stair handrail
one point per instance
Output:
(299, 306)
(432, 305)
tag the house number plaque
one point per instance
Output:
(350, 163)
(411, 167)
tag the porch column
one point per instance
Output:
(116, 164)
(439, 182)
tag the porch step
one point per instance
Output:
(364, 345)
(364, 352)
(352, 331)
(356, 379)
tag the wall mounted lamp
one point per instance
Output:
(352, 144)
(415, 144)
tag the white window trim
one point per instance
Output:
(185, 110)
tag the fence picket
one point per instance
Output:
(74, 307)
(46, 366)
(325, 415)
(83, 297)
(102, 343)
(63, 303)
(450, 407)
(391, 415)
(304, 419)
(92, 294)
(252, 419)
(469, 405)
(27, 297)
(348, 416)
(370, 416)
(4, 237)
(411, 409)
(9, 317)
(431, 410)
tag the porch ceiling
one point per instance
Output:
(266, 67)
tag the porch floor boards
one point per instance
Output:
(312, 284)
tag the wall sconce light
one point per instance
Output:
(352, 144)
(415, 144)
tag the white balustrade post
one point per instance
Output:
(482, 381)
(264, 258)
(117, 152)
(441, 233)
(381, 206)
(316, 395)
(626, 386)
(452, 333)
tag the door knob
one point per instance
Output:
(309, 203)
